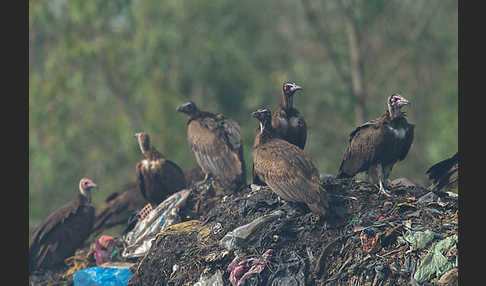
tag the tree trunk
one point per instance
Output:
(357, 85)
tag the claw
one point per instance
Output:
(383, 190)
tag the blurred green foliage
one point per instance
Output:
(99, 71)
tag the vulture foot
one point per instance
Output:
(383, 190)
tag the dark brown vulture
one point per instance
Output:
(119, 207)
(215, 142)
(157, 177)
(286, 169)
(444, 174)
(287, 122)
(377, 145)
(64, 230)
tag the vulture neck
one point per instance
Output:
(152, 154)
(265, 134)
(84, 197)
(287, 101)
(393, 113)
(196, 114)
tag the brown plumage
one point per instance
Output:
(157, 177)
(287, 122)
(64, 230)
(215, 142)
(444, 174)
(286, 169)
(377, 145)
(119, 206)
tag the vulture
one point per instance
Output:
(377, 145)
(287, 122)
(285, 168)
(63, 231)
(444, 174)
(215, 142)
(157, 177)
(119, 207)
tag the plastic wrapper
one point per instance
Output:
(97, 276)
(233, 238)
(139, 239)
(435, 263)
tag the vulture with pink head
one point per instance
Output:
(64, 230)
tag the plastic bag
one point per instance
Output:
(418, 239)
(102, 276)
(139, 239)
(248, 269)
(434, 263)
(233, 238)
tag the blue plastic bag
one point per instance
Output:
(96, 276)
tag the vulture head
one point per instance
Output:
(288, 90)
(188, 108)
(395, 103)
(85, 186)
(143, 141)
(264, 116)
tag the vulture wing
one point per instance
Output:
(119, 209)
(60, 234)
(217, 148)
(365, 143)
(407, 143)
(445, 172)
(288, 171)
(141, 180)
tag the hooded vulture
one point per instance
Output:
(215, 142)
(444, 174)
(157, 177)
(377, 145)
(286, 169)
(287, 122)
(119, 207)
(64, 230)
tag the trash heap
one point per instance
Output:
(250, 237)
(253, 238)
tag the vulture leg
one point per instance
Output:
(381, 180)
(386, 172)
(204, 181)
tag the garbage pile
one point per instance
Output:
(251, 237)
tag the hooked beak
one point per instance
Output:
(296, 87)
(403, 102)
(179, 109)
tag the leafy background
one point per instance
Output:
(99, 71)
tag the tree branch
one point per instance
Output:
(324, 37)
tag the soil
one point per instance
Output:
(356, 244)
